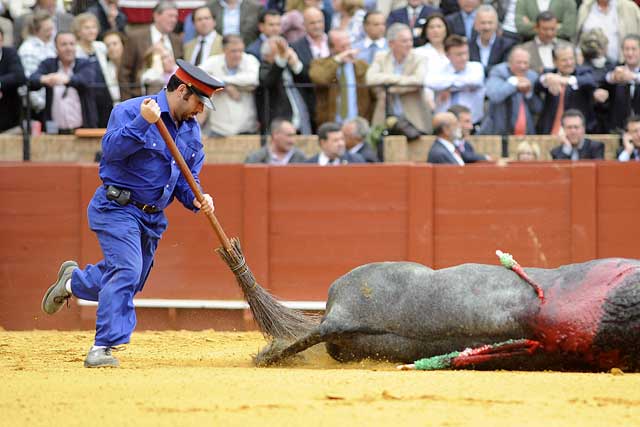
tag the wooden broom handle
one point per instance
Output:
(186, 172)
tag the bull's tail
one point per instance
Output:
(278, 349)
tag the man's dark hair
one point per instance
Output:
(572, 112)
(326, 128)
(454, 40)
(194, 11)
(370, 13)
(634, 118)
(269, 12)
(61, 33)
(175, 82)
(459, 109)
(545, 16)
(634, 36)
(230, 38)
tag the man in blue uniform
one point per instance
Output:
(140, 179)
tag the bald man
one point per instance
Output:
(443, 150)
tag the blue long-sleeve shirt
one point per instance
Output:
(135, 157)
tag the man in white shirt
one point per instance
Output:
(333, 150)
(374, 42)
(235, 111)
(208, 42)
(461, 81)
(447, 129)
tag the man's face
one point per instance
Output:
(547, 30)
(458, 56)
(271, 25)
(334, 146)
(282, 140)
(466, 124)
(375, 26)
(468, 5)
(340, 42)
(351, 137)
(519, 62)
(314, 23)
(486, 25)
(401, 46)
(166, 20)
(233, 53)
(565, 61)
(631, 52)
(634, 130)
(573, 129)
(66, 47)
(188, 107)
(203, 21)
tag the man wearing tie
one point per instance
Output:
(623, 84)
(573, 144)
(374, 41)
(208, 42)
(630, 150)
(443, 150)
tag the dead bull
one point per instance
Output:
(589, 318)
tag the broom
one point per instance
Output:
(273, 319)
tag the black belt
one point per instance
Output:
(123, 198)
(145, 208)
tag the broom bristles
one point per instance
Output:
(273, 319)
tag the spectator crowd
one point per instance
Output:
(340, 69)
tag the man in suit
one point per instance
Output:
(414, 15)
(208, 42)
(565, 87)
(280, 150)
(276, 95)
(110, 17)
(541, 47)
(313, 45)
(464, 146)
(565, 10)
(374, 40)
(404, 72)
(237, 17)
(341, 93)
(11, 78)
(70, 103)
(160, 32)
(573, 144)
(623, 84)
(512, 100)
(447, 129)
(462, 22)
(269, 24)
(488, 47)
(355, 133)
(332, 147)
(630, 150)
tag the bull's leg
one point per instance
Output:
(279, 350)
(476, 356)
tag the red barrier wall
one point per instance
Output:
(304, 226)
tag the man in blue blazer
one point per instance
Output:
(447, 129)
(269, 24)
(487, 47)
(512, 101)
(574, 146)
(414, 15)
(461, 22)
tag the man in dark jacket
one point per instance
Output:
(11, 77)
(70, 103)
(332, 147)
(574, 145)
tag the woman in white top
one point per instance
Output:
(85, 26)
(434, 32)
(348, 15)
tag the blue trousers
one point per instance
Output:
(128, 238)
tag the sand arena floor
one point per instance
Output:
(179, 378)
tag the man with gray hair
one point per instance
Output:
(280, 150)
(355, 133)
(487, 47)
(159, 33)
(403, 72)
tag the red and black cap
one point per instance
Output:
(201, 83)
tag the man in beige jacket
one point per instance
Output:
(404, 72)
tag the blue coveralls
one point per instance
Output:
(134, 157)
